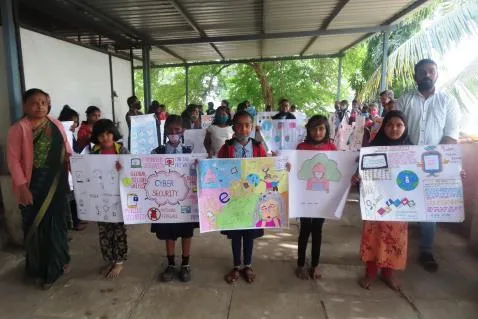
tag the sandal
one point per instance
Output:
(232, 276)
(302, 273)
(248, 274)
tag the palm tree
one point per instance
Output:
(451, 22)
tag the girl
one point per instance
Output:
(93, 114)
(219, 131)
(191, 117)
(242, 146)
(384, 244)
(68, 114)
(113, 240)
(172, 231)
(317, 139)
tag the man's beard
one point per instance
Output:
(426, 84)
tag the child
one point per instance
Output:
(93, 114)
(170, 232)
(191, 117)
(242, 146)
(113, 240)
(384, 244)
(284, 111)
(219, 131)
(317, 139)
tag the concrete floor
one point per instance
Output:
(276, 294)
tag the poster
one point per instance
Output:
(69, 137)
(356, 138)
(161, 132)
(206, 120)
(411, 183)
(144, 136)
(159, 188)
(96, 184)
(320, 182)
(282, 134)
(262, 116)
(243, 193)
(195, 140)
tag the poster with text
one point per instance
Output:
(144, 136)
(282, 134)
(243, 193)
(195, 140)
(262, 116)
(411, 183)
(320, 182)
(96, 184)
(159, 188)
(206, 120)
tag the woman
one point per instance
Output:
(37, 156)
(191, 117)
(219, 131)
(93, 114)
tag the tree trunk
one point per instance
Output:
(266, 88)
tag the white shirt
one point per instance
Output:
(429, 120)
(219, 135)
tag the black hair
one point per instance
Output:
(31, 92)
(104, 126)
(67, 113)
(424, 62)
(314, 121)
(210, 104)
(172, 119)
(153, 107)
(240, 114)
(283, 100)
(241, 107)
(225, 102)
(388, 93)
(131, 100)
(216, 115)
(92, 109)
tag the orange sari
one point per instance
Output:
(385, 243)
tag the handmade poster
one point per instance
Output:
(356, 138)
(320, 182)
(206, 121)
(159, 188)
(69, 137)
(282, 134)
(375, 127)
(343, 134)
(195, 140)
(411, 183)
(243, 193)
(96, 184)
(144, 136)
(332, 121)
(262, 116)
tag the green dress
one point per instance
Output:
(45, 222)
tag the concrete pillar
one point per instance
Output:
(383, 79)
(187, 84)
(339, 79)
(146, 76)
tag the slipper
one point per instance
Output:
(232, 276)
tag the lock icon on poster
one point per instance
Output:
(132, 201)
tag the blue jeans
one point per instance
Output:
(427, 236)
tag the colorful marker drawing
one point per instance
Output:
(319, 171)
(242, 194)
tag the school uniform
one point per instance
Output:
(172, 231)
(244, 237)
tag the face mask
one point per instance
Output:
(194, 118)
(174, 138)
(425, 84)
(241, 138)
(365, 114)
(374, 113)
(222, 119)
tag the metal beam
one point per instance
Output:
(405, 11)
(261, 24)
(146, 76)
(129, 31)
(383, 79)
(286, 58)
(278, 35)
(189, 19)
(339, 79)
(340, 5)
(12, 59)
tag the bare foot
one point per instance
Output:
(302, 273)
(105, 269)
(366, 282)
(114, 271)
(66, 269)
(315, 273)
(391, 282)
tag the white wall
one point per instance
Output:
(124, 89)
(4, 104)
(72, 74)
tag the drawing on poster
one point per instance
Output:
(418, 183)
(159, 188)
(319, 171)
(144, 136)
(282, 134)
(243, 194)
(96, 184)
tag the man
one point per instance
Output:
(433, 119)
(134, 109)
(386, 99)
(210, 108)
(284, 111)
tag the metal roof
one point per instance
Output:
(191, 31)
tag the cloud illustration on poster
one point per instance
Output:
(167, 188)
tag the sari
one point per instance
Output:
(45, 222)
